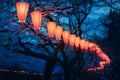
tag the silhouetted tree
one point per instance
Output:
(76, 12)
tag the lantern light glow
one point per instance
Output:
(36, 20)
(65, 36)
(51, 26)
(82, 45)
(91, 47)
(22, 9)
(72, 38)
(86, 47)
(58, 33)
(77, 43)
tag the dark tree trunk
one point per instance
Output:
(48, 70)
(67, 71)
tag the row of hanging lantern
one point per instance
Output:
(58, 32)
(66, 36)
(22, 9)
(77, 42)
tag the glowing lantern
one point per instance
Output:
(65, 36)
(102, 63)
(91, 47)
(101, 67)
(77, 42)
(58, 33)
(107, 60)
(86, 45)
(104, 57)
(82, 44)
(94, 47)
(36, 20)
(22, 9)
(51, 26)
(72, 38)
(98, 50)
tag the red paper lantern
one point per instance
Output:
(58, 33)
(101, 67)
(36, 20)
(22, 9)
(98, 50)
(72, 38)
(86, 45)
(51, 26)
(77, 43)
(107, 60)
(65, 36)
(82, 45)
(102, 63)
(91, 47)
(94, 47)
(103, 56)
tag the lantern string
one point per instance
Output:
(23, 26)
(76, 48)
(58, 42)
(36, 31)
(50, 39)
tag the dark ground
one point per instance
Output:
(18, 76)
